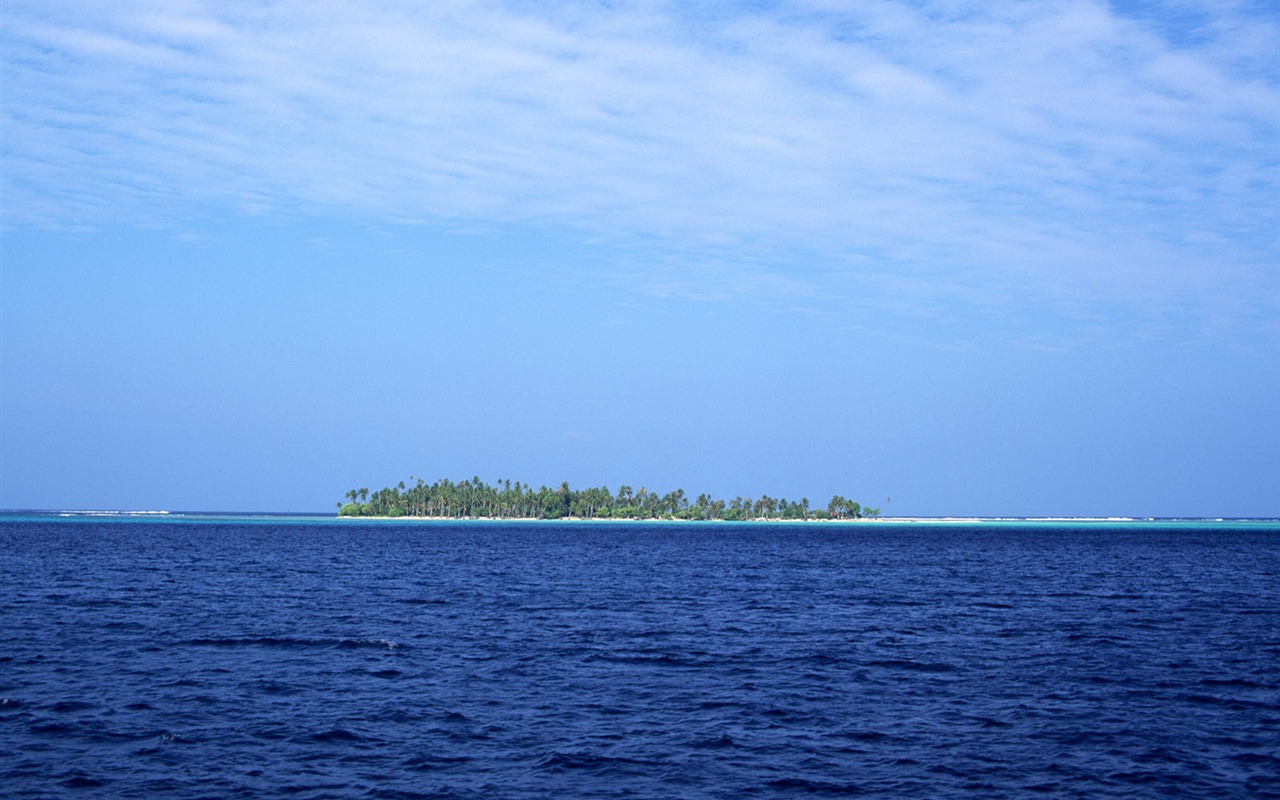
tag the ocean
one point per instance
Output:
(266, 657)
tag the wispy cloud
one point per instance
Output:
(1074, 149)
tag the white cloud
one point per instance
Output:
(1063, 145)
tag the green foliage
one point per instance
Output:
(476, 499)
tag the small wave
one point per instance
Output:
(1162, 755)
(273, 731)
(1233, 703)
(292, 641)
(914, 666)
(659, 661)
(1241, 682)
(1144, 777)
(67, 706)
(405, 794)
(822, 659)
(1256, 758)
(379, 643)
(862, 736)
(318, 789)
(337, 735)
(718, 743)
(425, 763)
(815, 787)
(81, 782)
(163, 739)
(587, 761)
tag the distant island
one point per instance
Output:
(472, 499)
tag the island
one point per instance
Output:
(475, 499)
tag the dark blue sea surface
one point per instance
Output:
(191, 658)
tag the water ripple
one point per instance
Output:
(165, 660)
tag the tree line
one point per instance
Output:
(508, 500)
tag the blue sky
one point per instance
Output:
(940, 257)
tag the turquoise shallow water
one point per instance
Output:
(290, 657)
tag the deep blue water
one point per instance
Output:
(280, 658)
